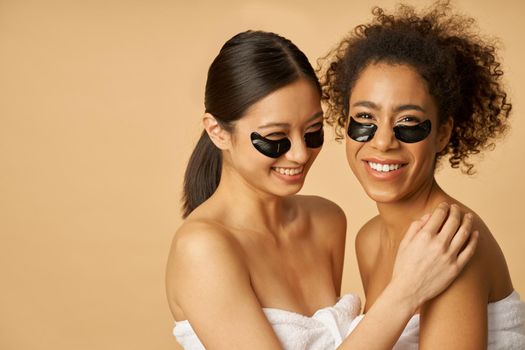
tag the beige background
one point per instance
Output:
(100, 103)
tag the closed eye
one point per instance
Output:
(315, 127)
(275, 136)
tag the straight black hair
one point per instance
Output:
(249, 66)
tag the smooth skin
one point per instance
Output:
(387, 95)
(255, 244)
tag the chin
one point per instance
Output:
(379, 196)
(285, 191)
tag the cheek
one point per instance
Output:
(247, 160)
(352, 149)
(424, 156)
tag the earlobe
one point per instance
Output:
(217, 134)
(444, 133)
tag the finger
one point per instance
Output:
(415, 227)
(462, 235)
(467, 253)
(424, 219)
(436, 218)
(451, 225)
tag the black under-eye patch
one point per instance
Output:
(270, 148)
(314, 139)
(413, 133)
(362, 132)
(276, 148)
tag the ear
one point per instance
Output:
(444, 133)
(218, 135)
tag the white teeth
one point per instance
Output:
(384, 167)
(289, 171)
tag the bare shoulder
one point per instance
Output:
(484, 278)
(327, 219)
(488, 264)
(474, 279)
(200, 235)
(200, 251)
(322, 210)
(367, 248)
(367, 239)
(320, 205)
(208, 284)
(201, 239)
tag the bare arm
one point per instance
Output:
(457, 318)
(425, 265)
(337, 242)
(212, 286)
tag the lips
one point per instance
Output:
(384, 168)
(288, 171)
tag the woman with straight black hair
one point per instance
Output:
(256, 266)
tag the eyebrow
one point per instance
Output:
(368, 104)
(409, 107)
(270, 125)
(400, 108)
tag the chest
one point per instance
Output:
(296, 277)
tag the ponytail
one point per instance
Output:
(203, 174)
(250, 66)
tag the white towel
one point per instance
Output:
(324, 330)
(506, 326)
(507, 323)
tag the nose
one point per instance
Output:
(298, 153)
(384, 138)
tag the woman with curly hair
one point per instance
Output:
(405, 91)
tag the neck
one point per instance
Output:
(397, 216)
(244, 206)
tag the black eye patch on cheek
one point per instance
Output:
(413, 133)
(314, 139)
(405, 133)
(361, 132)
(270, 148)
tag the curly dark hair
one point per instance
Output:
(460, 68)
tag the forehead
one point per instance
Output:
(292, 104)
(389, 84)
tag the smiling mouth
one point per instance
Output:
(385, 168)
(288, 171)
